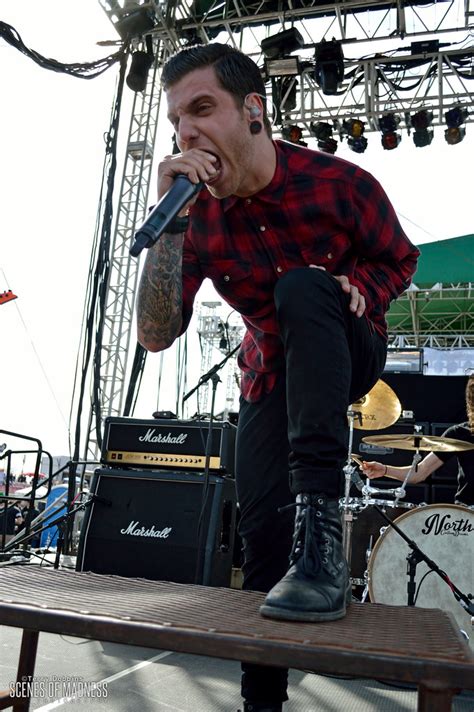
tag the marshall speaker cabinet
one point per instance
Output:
(168, 443)
(145, 524)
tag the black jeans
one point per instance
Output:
(300, 429)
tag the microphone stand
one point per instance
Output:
(414, 558)
(207, 376)
(60, 522)
(212, 374)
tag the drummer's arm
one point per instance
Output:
(429, 464)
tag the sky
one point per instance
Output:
(52, 130)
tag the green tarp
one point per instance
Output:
(447, 261)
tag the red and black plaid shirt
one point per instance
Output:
(318, 209)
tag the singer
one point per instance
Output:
(308, 249)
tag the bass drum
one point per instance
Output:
(445, 533)
(366, 530)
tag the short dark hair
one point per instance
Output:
(237, 74)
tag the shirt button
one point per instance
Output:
(329, 255)
(262, 228)
(248, 201)
(226, 278)
(279, 269)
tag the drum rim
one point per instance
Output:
(378, 543)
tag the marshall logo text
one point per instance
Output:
(150, 437)
(438, 524)
(134, 529)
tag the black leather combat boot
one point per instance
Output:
(317, 585)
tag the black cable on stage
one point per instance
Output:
(94, 315)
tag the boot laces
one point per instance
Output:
(309, 539)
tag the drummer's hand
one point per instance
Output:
(373, 469)
(357, 300)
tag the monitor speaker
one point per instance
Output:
(151, 524)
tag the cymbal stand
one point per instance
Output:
(413, 468)
(349, 471)
(398, 492)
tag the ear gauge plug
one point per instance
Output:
(255, 127)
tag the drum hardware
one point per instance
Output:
(349, 473)
(399, 492)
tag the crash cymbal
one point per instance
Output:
(418, 442)
(378, 409)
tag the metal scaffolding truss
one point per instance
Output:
(440, 317)
(399, 56)
(219, 335)
(130, 211)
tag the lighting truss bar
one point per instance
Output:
(176, 19)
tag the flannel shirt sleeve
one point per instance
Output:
(387, 257)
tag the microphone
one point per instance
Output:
(357, 480)
(164, 213)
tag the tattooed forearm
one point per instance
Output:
(159, 305)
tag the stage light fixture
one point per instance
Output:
(454, 118)
(294, 134)
(390, 140)
(421, 122)
(358, 145)
(422, 119)
(138, 74)
(323, 132)
(136, 23)
(283, 67)
(388, 124)
(329, 66)
(423, 137)
(454, 135)
(282, 44)
(353, 127)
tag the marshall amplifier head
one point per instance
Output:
(168, 443)
(155, 525)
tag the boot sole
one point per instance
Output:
(289, 614)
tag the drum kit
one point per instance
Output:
(378, 525)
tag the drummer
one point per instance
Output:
(432, 461)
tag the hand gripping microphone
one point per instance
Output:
(164, 213)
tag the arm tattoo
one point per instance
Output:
(159, 306)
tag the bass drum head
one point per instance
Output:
(445, 533)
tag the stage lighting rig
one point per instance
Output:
(323, 132)
(454, 118)
(329, 66)
(388, 124)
